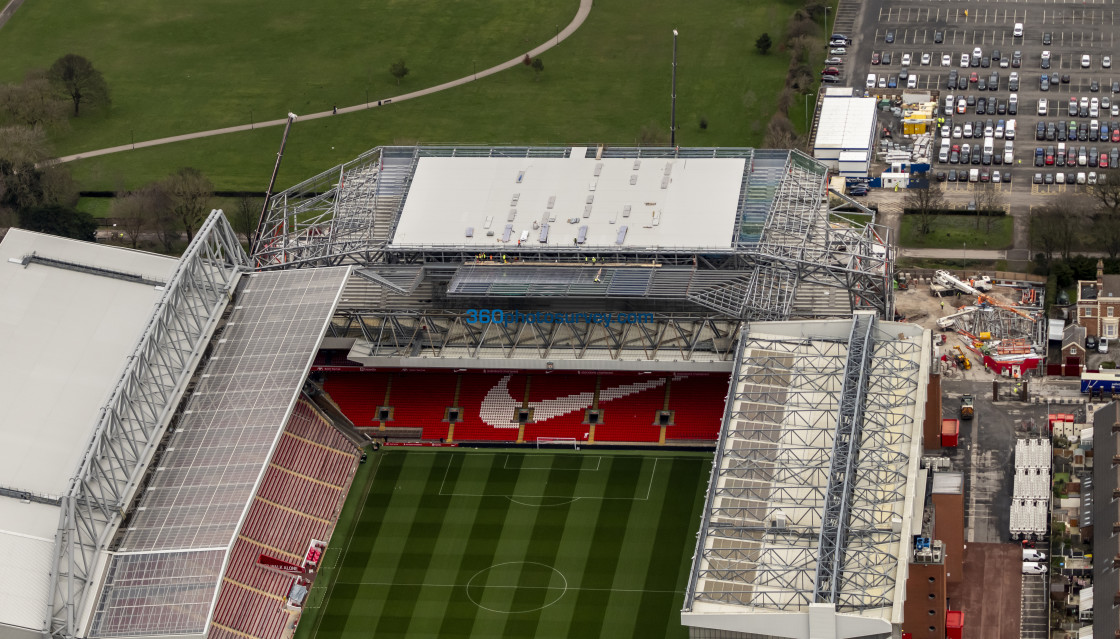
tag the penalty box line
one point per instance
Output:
(505, 465)
(649, 488)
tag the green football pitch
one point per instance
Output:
(512, 544)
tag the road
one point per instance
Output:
(581, 15)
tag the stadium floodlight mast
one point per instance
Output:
(673, 114)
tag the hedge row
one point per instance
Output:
(993, 213)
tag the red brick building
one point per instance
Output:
(1098, 305)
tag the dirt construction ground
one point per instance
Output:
(924, 309)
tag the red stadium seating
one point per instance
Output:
(489, 402)
(298, 500)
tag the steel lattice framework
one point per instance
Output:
(448, 333)
(787, 523)
(787, 243)
(131, 424)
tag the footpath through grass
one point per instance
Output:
(208, 64)
(515, 544)
(958, 232)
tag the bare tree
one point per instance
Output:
(780, 133)
(74, 76)
(924, 205)
(23, 145)
(33, 102)
(189, 192)
(246, 216)
(138, 212)
(1106, 217)
(988, 200)
(1053, 228)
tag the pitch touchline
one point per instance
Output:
(400, 585)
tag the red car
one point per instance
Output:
(1104, 161)
(1116, 135)
(1049, 158)
(973, 77)
(875, 59)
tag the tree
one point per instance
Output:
(33, 102)
(189, 193)
(763, 43)
(924, 204)
(74, 77)
(1053, 228)
(245, 217)
(1106, 217)
(538, 66)
(26, 180)
(398, 70)
(780, 133)
(137, 212)
(59, 220)
(988, 200)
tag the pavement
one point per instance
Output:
(581, 15)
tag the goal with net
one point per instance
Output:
(557, 442)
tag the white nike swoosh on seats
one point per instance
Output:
(499, 408)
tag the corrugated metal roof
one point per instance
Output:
(948, 483)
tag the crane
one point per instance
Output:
(984, 299)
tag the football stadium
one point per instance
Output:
(473, 392)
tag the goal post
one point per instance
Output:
(557, 442)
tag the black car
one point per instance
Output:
(1037, 178)
(991, 107)
(886, 57)
(974, 62)
(952, 81)
(1094, 134)
(890, 37)
(1083, 132)
(1047, 38)
(1040, 131)
(962, 83)
(1046, 63)
(977, 129)
(938, 37)
(1061, 134)
(1048, 178)
(1016, 59)
(1094, 86)
(995, 55)
(1090, 343)
(1115, 86)
(1065, 78)
(982, 85)
(1054, 79)
(1001, 107)
(941, 176)
(1051, 131)
(952, 177)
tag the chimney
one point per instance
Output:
(1100, 274)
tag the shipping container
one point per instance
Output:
(950, 432)
(954, 624)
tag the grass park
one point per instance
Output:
(500, 543)
(177, 69)
(958, 232)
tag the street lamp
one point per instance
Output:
(826, 35)
(673, 115)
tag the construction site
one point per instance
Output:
(984, 324)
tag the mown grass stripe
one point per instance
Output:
(339, 610)
(400, 602)
(485, 534)
(604, 547)
(544, 544)
(659, 612)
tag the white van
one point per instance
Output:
(974, 175)
(1081, 177)
(1008, 153)
(1030, 554)
(870, 80)
(989, 149)
(1017, 32)
(1009, 130)
(1013, 103)
(1042, 110)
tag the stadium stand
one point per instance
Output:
(298, 500)
(558, 404)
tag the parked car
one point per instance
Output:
(1102, 346)
(925, 58)
(889, 37)
(938, 37)
(1106, 62)
(1085, 61)
(876, 58)
(839, 51)
(1090, 341)
(905, 59)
